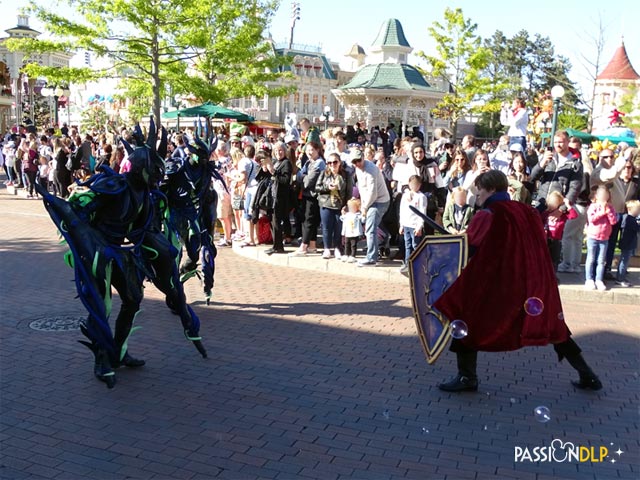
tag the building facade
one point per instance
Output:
(618, 79)
(16, 87)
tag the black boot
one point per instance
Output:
(588, 380)
(466, 380)
(102, 369)
(131, 362)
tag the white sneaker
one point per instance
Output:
(590, 285)
(298, 253)
(344, 258)
(337, 254)
(404, 269)
(326, 254)
(564, 268)
(600, 285)
(351, 260)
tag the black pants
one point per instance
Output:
(555, 250)
(279, 223)
(31, 180)
(565, 349)
(311, 220)
(351, 246)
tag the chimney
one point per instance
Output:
(23, 21)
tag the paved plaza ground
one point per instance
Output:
(310, 374)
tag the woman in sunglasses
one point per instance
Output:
(334, 189)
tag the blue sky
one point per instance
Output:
(338, 24)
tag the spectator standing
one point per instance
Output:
(375, 201)
(559, 170)
(458, 213)
(469, 147)
(411, 224)
(601, 217)
(517, 119)
(629, 231)
(282, 173)
(310, 173)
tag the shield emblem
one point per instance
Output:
(433, 266)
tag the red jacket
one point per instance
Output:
(511, 265)
(555, 221)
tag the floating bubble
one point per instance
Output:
(385, 414)
(512, 400)
(459, 329)
(533, 306)
(488, 394)
(424, 430)
(561, 316)
(542, 414)
(485, 428)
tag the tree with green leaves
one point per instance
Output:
(211, 49)
(461, 60)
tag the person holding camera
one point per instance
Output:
(559, 170)
(517, 119)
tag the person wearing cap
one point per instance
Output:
(500, 158)
(374, 198)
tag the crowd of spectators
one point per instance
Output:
(351, 190)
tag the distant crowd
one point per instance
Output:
(353, 188)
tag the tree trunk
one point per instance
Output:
(155, 79)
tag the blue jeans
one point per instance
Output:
(331, 227)
(596, 256)
(374, 217)
(411, 241)
(625, 256)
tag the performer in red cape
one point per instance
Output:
(507, 294)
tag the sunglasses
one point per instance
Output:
(333, 163)
(606, 156)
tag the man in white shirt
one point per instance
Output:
(517, 119)
(374, 198)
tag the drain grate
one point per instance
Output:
(58, 323)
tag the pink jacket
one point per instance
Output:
(599, 221)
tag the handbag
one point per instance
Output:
(237, 201)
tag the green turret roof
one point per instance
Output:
(391, 35)
(388, 76)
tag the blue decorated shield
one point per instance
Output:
(434, 265)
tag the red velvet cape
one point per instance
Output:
(511, 264)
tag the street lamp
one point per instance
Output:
(56, 92)
(557, 92)
(326, 117)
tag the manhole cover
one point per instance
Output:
(59, 323)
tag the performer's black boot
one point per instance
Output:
(131, 362)
(588, 379)
(570, 350)
(466, 380)
(102, 369)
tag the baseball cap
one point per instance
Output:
(516, 147)
(289, 138)
(355, 155)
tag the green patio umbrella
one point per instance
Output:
(209, 110)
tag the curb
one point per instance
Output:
(387, 271)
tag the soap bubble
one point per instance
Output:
(385, 414)
(561, 316)
(542, 414)
(485, 428)
(533, 306)
(512, 400)
(459, 329)
(424, 430)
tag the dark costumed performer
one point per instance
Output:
(112, 225)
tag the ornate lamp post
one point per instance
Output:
(326, 117)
